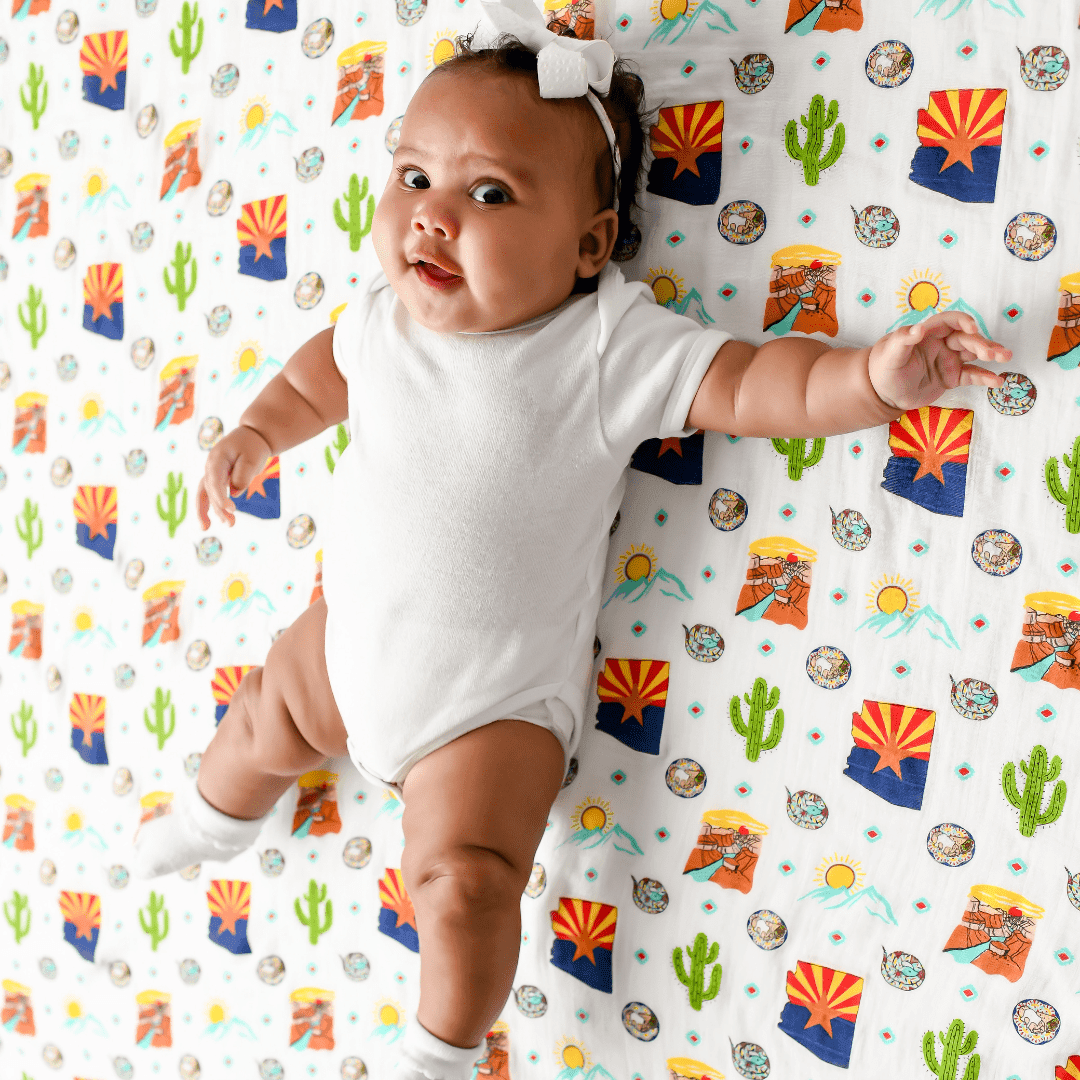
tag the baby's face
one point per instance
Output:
(497, 187)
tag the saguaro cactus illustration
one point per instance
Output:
(354, 225)
(34, 307)
(753, 728)
(1030, 802)
(24, 525)
(1068, 497)
(341, 440)
(184, 51)
(179, 287)
(816, 123)
(157, 728)
(700, 955)
(954, 1046)
(17, 914)
(158, 929)
(174, 485)
(35, 81)
(314, 896)
(25, 730)
(797, 458)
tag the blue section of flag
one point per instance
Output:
(958, 181)
(277, 19)
(94, 754)
(836, 1051)
(903, 790)
(927, 492)
(266, 507)
(272, 269)
(671, 466)
(219, 712)
(595, 974)
(645, 738)
(103, 545)
(110, 326)
(85, 948)
(236, 942)
(111, 98)
(404, 933)
(687, 188)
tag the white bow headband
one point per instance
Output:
(565, 66)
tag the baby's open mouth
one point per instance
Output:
(436, 275)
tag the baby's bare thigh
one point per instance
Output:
(294, 681)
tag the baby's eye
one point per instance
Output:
(404, 169)
(496, 188)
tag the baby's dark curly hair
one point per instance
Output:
(623, 104)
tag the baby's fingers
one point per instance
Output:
(973, 375)
(977, 347)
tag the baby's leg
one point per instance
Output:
(475, 812)
(282, 722)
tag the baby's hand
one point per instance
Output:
(913, 366)
(233, 463)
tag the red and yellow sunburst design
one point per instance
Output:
(95, 507)
(83, 911)
(87, 713)
(933, 436)
(261, 222)
(103, 286)
(229, 901)
(893, 732)
(960, 121)
(1070, 1070)
(105, 55)
(685, 131)
(634, 684)
(827, 993)
(395, 897)
(588, 924)
(226, 681)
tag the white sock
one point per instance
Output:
(425, 1057)
(192, 832)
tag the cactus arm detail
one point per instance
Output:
(1068, 497)
(30, 319)
(14, 910)
(341, 440)
(24, 732)
(1057, 804)
(174, 486)
(1055, 769)
(184, 51)
(701, 955)
(775, 732)
(157, 931)
(735, 709)
(178, 286)
(969, 1042)
(34, 82)
(1038, 774)
(30, 518)
(929, 1056)
(158, 728)
(795, 452)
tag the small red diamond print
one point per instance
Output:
(1012, 313)
(1004, 471)
(687, 70)
(1038, 152)
(1063, 956)
(1045, 714)
(965, 772)
(618, 778)
(673, 239)
(815, 735)
(919, 905)
(886, 1035)
(745, 144)
(1066, 568)
(856, 450)
(640, 955)
(741, 789)
(838, 596)
(751, 991)
(805, 219)
(786, 513)
(918, 549)
(662, 834)
(967, 50)
(624, 23)
(693, 1039)
(707, 575)
(967, 993)
(979, 624)
(900, 669)
(661, 518)
(865, 298)
(947, 238)
(786, 868)
(1015, 866)
(879, 143)
(835, 937)
(820, 61)
(726, 292)
(872, 834)
(695, 711)
(766, 648)
(709, 907)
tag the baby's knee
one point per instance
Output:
(462, 882)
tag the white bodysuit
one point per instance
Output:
(472, 509)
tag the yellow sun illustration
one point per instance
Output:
(73, 1009)
(442, 48)
(387, 1012)
(82, 618)
(893, 593)
(74, 820)
(592, 815)
(248, 355)
(94, 182)
(571, 1054)
(922, 291)
(663, 10)
(217, 1011)
(237, 587)
(255, 113)
(636, 563)
(840, 872)
(666, 285)
(91, 407)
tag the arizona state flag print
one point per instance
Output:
(960, 137)
(261, 230)
(676, 460)
(274, 15)
(95, 518)
(103, 59)
(103, 300)
(929, 461)
(82, 921)
(262, 497)
(87, 714)
(892, 751)
(230, 907)
(397, 919)
(633, 697)
(584, 936)
(687, 145)
(822, 1007)
(225, 683)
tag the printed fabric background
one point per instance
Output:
(824, 813)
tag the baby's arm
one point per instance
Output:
(795, 386)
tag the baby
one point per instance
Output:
(496, 378)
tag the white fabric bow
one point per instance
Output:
(565, 66)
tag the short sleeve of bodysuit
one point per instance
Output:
(652, 361)
(349, 327)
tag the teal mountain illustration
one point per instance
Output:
(898, 623)
(869, 899)
(642, 586)
(683, 308)
(664, 32)
(572, 1072)
(948, 8)
(909, 318)
(598, 837)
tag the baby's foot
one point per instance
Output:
(189, 830)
